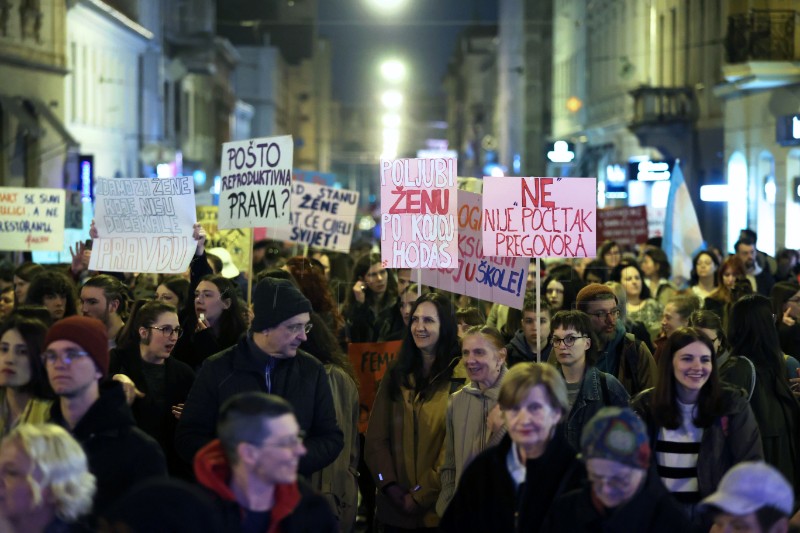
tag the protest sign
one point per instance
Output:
(144, 225)
(256, 182)
(370, 361)
(418, 213)
(31, 219)
(322, 217)
(493, 279)
(539, 217)
(627, 226)
(236, 241)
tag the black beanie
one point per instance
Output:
(276, 300)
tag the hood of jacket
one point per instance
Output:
(212, 470)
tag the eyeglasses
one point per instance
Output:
(620, 482)
(601, 315)
(295, 329)
(67, 356)
(378, 274)
(167, 331)
(287, 443)
(569, 340)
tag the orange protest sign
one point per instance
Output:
(370, 361)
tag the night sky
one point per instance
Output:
(422, 33)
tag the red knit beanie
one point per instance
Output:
(88, 333)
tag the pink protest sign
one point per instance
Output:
(494, 279)
(418, 213)
(539, 217)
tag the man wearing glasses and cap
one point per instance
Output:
(267, 359)
(619, 353)
(94, 409)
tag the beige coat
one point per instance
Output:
(467, 434)
(405, 445)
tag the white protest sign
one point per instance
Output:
(144, 225)
(418, 213)
(322, 217)
(31, 219)
(256, 182)
(493, 279)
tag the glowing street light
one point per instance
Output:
(387, 5)
(393, 70)
(391, 141)
(391, 120)
(392, 99)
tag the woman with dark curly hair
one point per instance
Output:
(657, 271)
(703, 277)
(213, 323)
(312, 283)
(373, 290)
(54, 290)
(405, 436)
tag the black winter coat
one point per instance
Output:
(119, 453)
(652, 509)
(154, 415)
(301, 380)
(485, 499)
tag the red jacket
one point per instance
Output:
(313, 513)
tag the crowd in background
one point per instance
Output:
(666, 387)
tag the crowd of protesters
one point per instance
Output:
(618, 398)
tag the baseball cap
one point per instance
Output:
(749, 486)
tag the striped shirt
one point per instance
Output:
(676, 456)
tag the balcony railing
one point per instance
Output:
(761, 35)
(663, 105)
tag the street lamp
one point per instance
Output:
(387, 5)
(392, 99)
(393, 70)
(391, 120)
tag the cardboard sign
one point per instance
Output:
(236, 241)
(418, 213)
(144, 225)
(31, 219)
(322, 217)
(256, 183)
(370, 361)
(493, 279)
(539, 217)
(625, 225)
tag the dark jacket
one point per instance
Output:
(652, 509)
(390, 325)
(195, 347)
(301, 380)
(297, 507)
(790, 339)
(119, 453)
(518, 351)
(486, 499)
(731, 438)
(154, 415)
(591, 398)
(777, 414)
